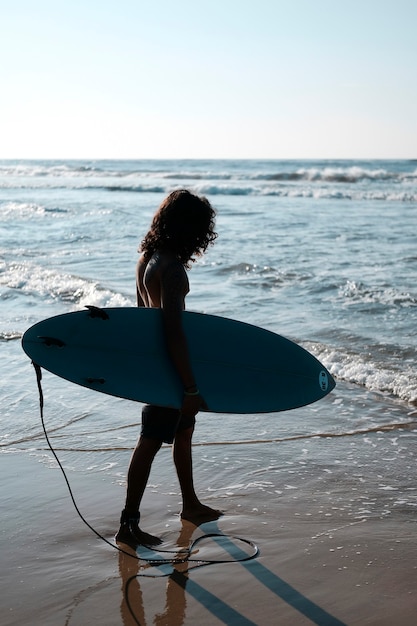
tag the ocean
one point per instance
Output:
(322, 252)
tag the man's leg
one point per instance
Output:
(139, 470)
(192, 509)
(137, 478)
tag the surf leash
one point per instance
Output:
(150, 560)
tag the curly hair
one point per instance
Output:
(183, 224)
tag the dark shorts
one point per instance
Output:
(162, 423)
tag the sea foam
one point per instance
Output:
(50, 284)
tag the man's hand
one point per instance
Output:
(192, 404)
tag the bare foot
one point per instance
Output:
(200, 513)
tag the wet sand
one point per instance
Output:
(311, 568)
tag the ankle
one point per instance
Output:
(129, 517)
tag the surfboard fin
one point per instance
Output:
(95, 311)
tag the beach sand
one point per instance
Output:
(316, 563)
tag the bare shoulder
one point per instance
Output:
(174, 283)
(162, 282)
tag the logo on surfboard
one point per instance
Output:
(323, 380)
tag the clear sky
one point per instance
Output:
(208, 79)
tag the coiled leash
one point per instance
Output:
(179, 577)
(151, 560)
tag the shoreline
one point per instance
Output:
(55, 571)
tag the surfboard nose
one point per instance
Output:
(326, 381)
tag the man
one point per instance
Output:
(182, 228)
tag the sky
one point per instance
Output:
(208, 79)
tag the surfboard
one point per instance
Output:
(239, 367)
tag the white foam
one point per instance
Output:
(356, 292)
(359, 369)
(21, 209)
(53, 284)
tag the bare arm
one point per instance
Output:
(174, 286)
(140, 269)
(139, 299)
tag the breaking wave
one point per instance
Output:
(357, 293)
(395, 376)
(373, 180)
(50, 284)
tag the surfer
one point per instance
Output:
(182, 229)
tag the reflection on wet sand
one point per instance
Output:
(131, 569)
(186, 558)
